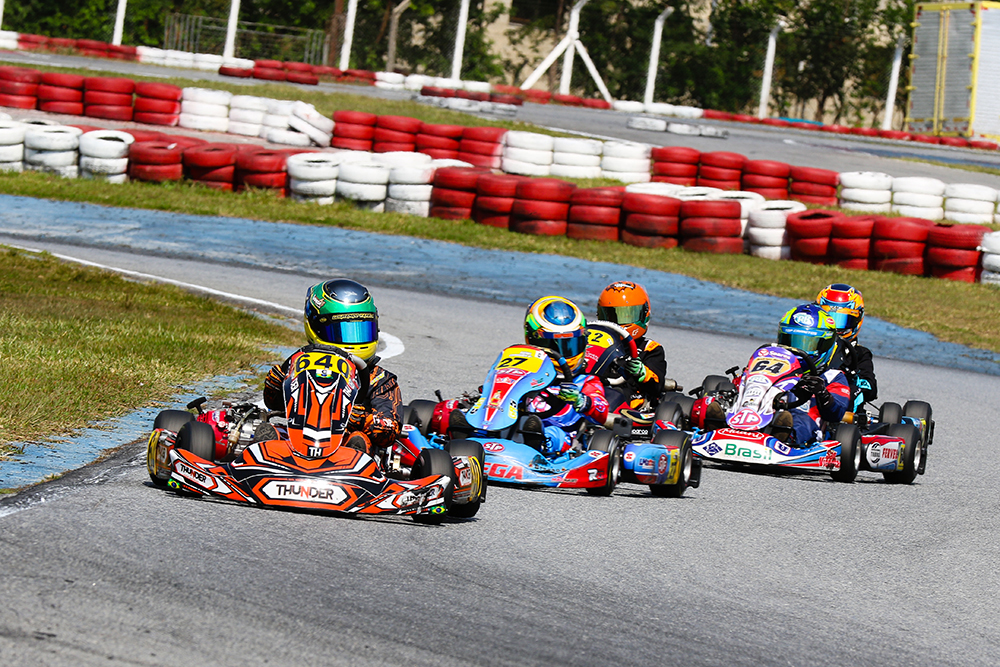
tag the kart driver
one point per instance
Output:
(556, 324)
(341, 313)
(811, 330)
(626, 304)
(847, 308)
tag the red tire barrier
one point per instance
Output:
(966, 275)
(68, 108)
(636, 202)
(155, 173)
(810, 224)
(607, 196)
(718, 245)
(303, 78)
(724, 160)
(167, 119)
(155, 152)
(349, 144)
(770, 168)
(156, 105)
(160, 91)
(18, 88)
(538, 227)
(812, 175)
(812, 189)
(675, 154)
(545, 189)
(108, 112)
(710, 209)
(951, 258)
(481, 161)
(293, 66)
(485, 218)
(498, 185)
(494, 205)
(675, 169)
(147, 135)
(490, 148)
(268, 63)
(46, 93)
(594, 215)
(855, 264)
(107, 99)
(699, 227)
(386, 135)
(109, 84)
(585, 232)
(439, 153)
(841, 248)
(237, 72)
(447, 197)
(457, 178)
(263, 161)
(347, 130)
(908, 266)
(769, 193)
(964, 237)
(902, 229)
(438, 130)
(210, 156)
(62, 80)
(214, 174)
(854, 227)
(275, 180)
(269, 74)
(18, 101)
(761, 181)
(648, 241)
(813, 250)
(891, 249)
(450, 213)
(539, 210)
(390, 147)
(20, 74)
(434, 141)
(720, 185)
(719, 173)
(652, 225)
(490, 134)
(399, 124)
(676, 180)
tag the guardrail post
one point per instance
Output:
(456, 60)
(229, 51)
(654, 56)
(765, 84)
(572, 31)
(890, 98)
(345, 49)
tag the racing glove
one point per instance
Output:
(636, 369)
(570, 393)
(810, 385)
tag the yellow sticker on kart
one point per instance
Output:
(324, 364)
(599, 338)
(522, 358)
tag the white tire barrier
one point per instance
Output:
(108, 144)
(695, 193)
(11, 153)
(17, 166)
(277, 121)
(418, 208)
(206, 96)
(72, 171)
(576, 159)
(773, 214)
(627, 106)
(204, 109)
(524, 168)
(390, 77)
(926, 212)
(314, 166)
(866, 180)
(116, 179)
(749, 201)
(649, 124)
(412, 175)
(313, 188)
(765, 236)
(860, 207)
(410, 191)
(241, 115)
(286, 137)
(970, 191)
(920, 184)
(308, 113)
(529, 140)
(771, 252)
(627, 176)
(921, 199)
(979, 206)
(612, 163)
(322, 201)
(52, 138)
(990, 243)
(662, 189)
(244, 129)
(578, 146)
(251, 102)
(361, 192)
(968, 218)
(317, 136)
(50, 159)
(364, 173)
(11, 132)
(543, 157)
(103, 166)
(865, 195)
(203, 123)
(625, 149)
(574, 171)
(280, 107)
(394, 159)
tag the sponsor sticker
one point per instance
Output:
(305, 491)
(630, 456)
(493, 447)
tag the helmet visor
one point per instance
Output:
(809, 343)
(843, 318)
(566, 347)
(621, 314)
(347, 332)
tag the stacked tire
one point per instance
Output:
(813, 186)
(898, 245)
(365, 184)
(52, 149)
(454, 193)
(410, 188)
(439, 141)
(953, 252)
(205, 109)
(104, 155)
(19, 87)
(626, 162)
(712, 226)
(482, 147)
(11, 146)
(990, 247)
(246, 115)
(108, 97)
(527, 154)
(310, 122)
(353, 130)
(60, 93)
(970, 204)
(211, 165)
(157, 103)
(301, 73)
(314, 177)
(766, 229)
(851, 240)
(866, 191)
(262, 169)
(721, 170)
(395, 133)
(767, 178)
(595, 214)
(576, 158)
(156, 161)
(809, 234)
(495, 195)
(650, 220)
(675, 164)
(269, 70)
(918, 197)
(541, 207)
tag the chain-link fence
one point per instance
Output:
(204, 34)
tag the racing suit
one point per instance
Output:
(563, 425)
(653, 357)
(859, 367)
(377, 413)
(827, 404)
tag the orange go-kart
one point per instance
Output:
(301, 463)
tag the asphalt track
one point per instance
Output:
(749, 569)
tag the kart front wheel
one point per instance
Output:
(477, 456)
(714, 383)
(434, 462)
(605, 441)
(198, 438)
(912, 453)
(682, 441)
(170, 420)
(849, 438)
(419, 413)
(890, 413)
(670, 412)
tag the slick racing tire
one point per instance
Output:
(890, 413)
(849, 438)
(171, 420)
(198, 438)
(670, 411)
(419, 413)
(681, 399)
(912, 454)
(922, 410)
(715, 383)
(434, 462)
(473, 450)
(682, 441)
(605, 441)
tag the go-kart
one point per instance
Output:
(516, 453)
(894, 445)
(298, 461)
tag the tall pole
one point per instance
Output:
(345, 49)
(573, 33)
(1, 13)
(229, 51)
(456, 60)
(765, 84)
(890, 98)
(397, 11)
(116, 39)
(654, 56)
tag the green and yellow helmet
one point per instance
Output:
(555, 323)
(342, 313)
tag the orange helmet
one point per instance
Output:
(626, 304)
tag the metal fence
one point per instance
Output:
(204, 34)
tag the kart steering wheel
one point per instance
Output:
(566, 373)
(781, 401)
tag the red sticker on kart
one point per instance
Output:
(629, 456)
(493, 447)
(745, 418)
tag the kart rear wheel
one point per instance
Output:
(890, 413)
(912, 454)
(473, 450)
(686, 402)
(605, 441)
(198, 438)
(714, 383)
(849, 438)
(922, 410)
(171, 420)
(432, 462)
(681, 440)
(419, 413)
(670, 412)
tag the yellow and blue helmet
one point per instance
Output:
(342, 313)
(847, 308)
(557, 324)
(810, 329)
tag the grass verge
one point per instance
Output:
(955, 312)
(79, 344)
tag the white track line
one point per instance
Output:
(393, 345)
